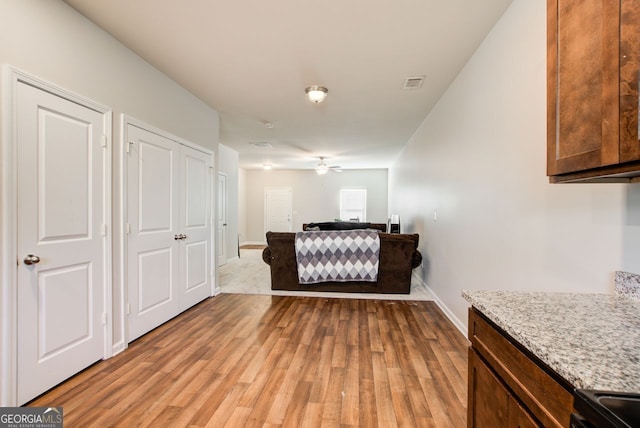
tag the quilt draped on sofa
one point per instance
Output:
(341, 256)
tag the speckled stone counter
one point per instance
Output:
(591, 340)
(627, 284)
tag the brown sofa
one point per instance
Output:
(399, 255)
(344, 225)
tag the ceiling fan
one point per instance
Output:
(322, 167)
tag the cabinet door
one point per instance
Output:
(583, 85)
(519, 417)
(488, 400)
(491, 405)
(629, 70)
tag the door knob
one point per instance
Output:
(176, 236)
(31, 259)
(183, 236)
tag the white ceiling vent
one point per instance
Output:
(413, 82)
(262, 144)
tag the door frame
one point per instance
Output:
(225, 202)
(125, 121)
(12, 77)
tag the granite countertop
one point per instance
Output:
(591, 340)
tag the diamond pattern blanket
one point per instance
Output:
(337, 255)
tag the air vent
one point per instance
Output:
(413, 82)
(262, 144)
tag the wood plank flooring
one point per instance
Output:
(253, 361)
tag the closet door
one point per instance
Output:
(169, 256)
(62, 241)
(153, 250)
(195, 226)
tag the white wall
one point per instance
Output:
(478, 160)
(49, 40)
(315, 198)
(228, 165)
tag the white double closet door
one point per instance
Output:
(169, 241)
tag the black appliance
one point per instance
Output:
(394, 224)
(605, 409)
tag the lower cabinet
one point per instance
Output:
(509, 386)
(490, 402)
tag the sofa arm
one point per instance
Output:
(416, 259)
(266, 255)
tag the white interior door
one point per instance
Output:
(153, 205)
(221, 219)
(61, 248)
(195, 226)
(278, 206)
(169, 260)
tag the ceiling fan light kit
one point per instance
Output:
(316, 94)
(322, 167)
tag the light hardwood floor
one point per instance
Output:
(248, 360)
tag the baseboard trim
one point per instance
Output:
(462, 327)
(118, 348)
(253, 243)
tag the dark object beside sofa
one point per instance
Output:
(344, 225)
(399, 255)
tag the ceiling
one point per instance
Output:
(251, 60)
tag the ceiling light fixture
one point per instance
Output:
(322, 167)
(316, 94)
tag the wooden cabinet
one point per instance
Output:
(593, 50)
(490, 402)
(509, 387)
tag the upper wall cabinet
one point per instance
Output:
(593, 62)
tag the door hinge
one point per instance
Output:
(211, 170)
(104, 229)
(128, 309)
(104, 141)
(127, 229)
(129, 144)
(104, 318)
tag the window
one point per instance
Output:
(353, 204)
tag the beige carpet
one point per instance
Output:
(250, 275)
